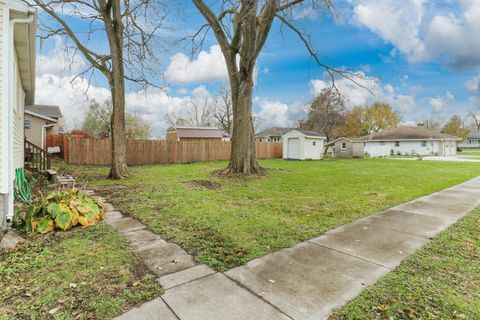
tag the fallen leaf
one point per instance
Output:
(54, 310)
(135, 283)
(73, 285)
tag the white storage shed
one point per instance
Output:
(303, 144)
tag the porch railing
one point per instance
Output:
(36, 158)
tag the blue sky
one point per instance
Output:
(422, 57)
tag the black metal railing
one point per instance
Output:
(36, 158)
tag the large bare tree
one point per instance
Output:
(126, 26)
(241, 28)
(326, 114)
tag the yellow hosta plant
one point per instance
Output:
(60, 210)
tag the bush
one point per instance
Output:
(59, 210)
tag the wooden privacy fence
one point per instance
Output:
(93, 151)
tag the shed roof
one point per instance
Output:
(345, 138)
(308, 133)
(408, 133)
(198, 132)
(45, 110)
(272, 132)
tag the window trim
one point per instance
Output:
(342, 146)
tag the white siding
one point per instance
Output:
(313, 148)
(18, 114)
(432, 147)
(3, 122)
(3, 115)
(310, 147)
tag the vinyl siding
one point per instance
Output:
(34, 133)
(343, 153)
(3, 125)
(18, 133)
(3, 120)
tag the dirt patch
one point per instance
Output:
(207, 184)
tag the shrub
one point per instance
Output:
(59, 210)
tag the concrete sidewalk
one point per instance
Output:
(312, 278)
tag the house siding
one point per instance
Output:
(3, 115)
(34, 133)
(408, 147)
(3, 120)
(345, 153)
(18, 120)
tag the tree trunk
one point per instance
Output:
(243, 157)
(114, 30)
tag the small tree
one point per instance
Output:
(379, 116)
(353, 123)
(128, 32)
(455, 127)
(326, 114)
(474, 115)
(98, 117)
(199, 112)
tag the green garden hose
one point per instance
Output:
(22, 187)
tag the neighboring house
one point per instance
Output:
(303, 144)
(17, 85)
(411, 140)
(40, 119)
(473, 140)
(271, 135)
(347, 147)
(195, 133)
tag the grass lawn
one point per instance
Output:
(85, 273)
(226, 222)
(441, 281)
(470, 152)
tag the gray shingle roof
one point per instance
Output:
(310, 133)
(272, 132)
(45, 110)
(408, 133)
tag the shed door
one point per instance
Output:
(294, 148)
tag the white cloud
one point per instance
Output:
(273, 114)
(208, 66)
(425, 31)
(369, 90)
(473, 86)
(59, 61)
(439, 103)
(71, 95)
(355, 94)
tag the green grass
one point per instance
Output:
(237, 220)
(441, 281)
(86, 273)
(469, 152)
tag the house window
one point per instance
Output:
(27, 124)
(424, 143)
(397, 143)
(344, 146)
(314, 143)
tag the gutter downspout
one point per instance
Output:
(43, 132)
(10, 104)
